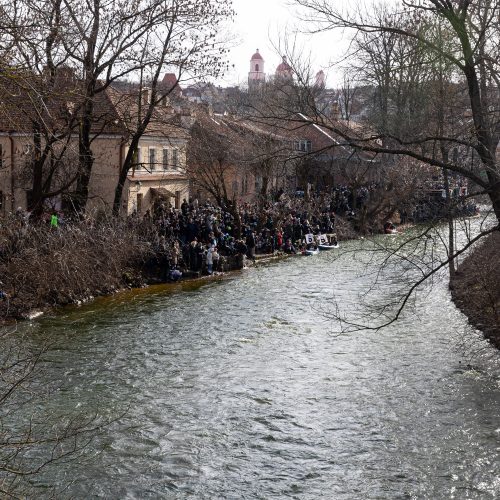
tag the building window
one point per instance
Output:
(152, 158)
(257, 67)
(1, 156)
(165, 159)
(244, 185)
(138, 164)
(177, 200)
(175, 158)
(303, 146)
(140, 196)
(258, 183)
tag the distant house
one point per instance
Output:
(158, 174)
(235, 159)
(327, 159)
(243, 159)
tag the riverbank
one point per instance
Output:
(476, 288)
(42, 267)
(23, 307)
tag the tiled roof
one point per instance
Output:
(27, 98)
(170, 81)
(165, 121)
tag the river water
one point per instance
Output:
(238, 388)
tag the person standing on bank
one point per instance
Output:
(250, 243)
(210, 259)
(54, 221)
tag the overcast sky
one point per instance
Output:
(263, 24)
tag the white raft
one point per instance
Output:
(311, 252)
(328, 247)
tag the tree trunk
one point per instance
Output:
(86, 159)
(495, 199)
(451, 230)
(128, 163)
(36, 202)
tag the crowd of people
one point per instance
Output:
(202, 237)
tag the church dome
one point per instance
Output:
(284, 66)
(257, 56)
(284, 69)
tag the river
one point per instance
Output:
(238, 388)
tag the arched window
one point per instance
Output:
(257, 67)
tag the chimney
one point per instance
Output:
(335, 110)
(187, 117)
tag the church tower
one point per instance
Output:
(256, 74)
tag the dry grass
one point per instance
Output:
(42, 267)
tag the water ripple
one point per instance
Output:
(237, 390)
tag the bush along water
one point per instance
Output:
(43, 265)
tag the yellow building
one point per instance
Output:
(158, 173)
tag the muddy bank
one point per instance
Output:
(476, 288)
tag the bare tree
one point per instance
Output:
(104, 41)
(472, 52)
(215, 163)
(269, 154)
(417, 60)
(187, 41)
(346, 98)
(30, 444)
(212, 159)
(413, 89)
(39, 93)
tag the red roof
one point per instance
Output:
(257, 56)
(170, 80)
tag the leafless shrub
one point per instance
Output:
(476, 288)
(42, 266)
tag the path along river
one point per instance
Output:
(237, 389)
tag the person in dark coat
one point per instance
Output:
(250, 243)
(200, 251)
(193, 258)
